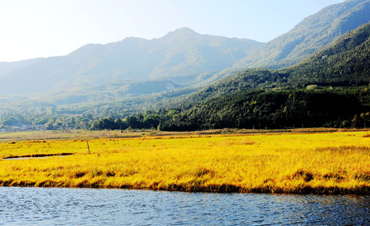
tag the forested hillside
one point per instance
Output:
(277, 109)
(115, 91)
(328, 88)
(311, 35)
(331, 88)
(344, 63)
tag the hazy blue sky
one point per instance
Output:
(43, 28)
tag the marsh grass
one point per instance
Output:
(323, 163)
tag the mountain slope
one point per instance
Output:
(183, 56)
(6, 67)
(346, 62)
(308, 37)
(330, 88)
(108, 92)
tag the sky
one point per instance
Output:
(45, 28)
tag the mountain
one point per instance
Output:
(6, 67)
(330, 88)
(309, 36)
(346, 62)
(109, 92)
(183, 56)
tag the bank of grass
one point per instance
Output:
(323, 163)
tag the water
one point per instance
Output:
(55, 206)
(36, 157)
(27, 158)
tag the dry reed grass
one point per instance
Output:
(323, 163)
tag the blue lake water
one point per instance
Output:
(59, 206)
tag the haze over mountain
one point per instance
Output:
(109, 91)
(183, 56)
(329, 88)
(346, 62)
(309, 36)
(6, 67)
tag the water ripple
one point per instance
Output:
(56, 206)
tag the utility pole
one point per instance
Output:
(88, 148)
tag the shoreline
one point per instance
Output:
(223, 189)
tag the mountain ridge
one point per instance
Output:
(310, 35)
(345, 62)
(330, 89)
(182, 55)
(6, 67)
(307, 37)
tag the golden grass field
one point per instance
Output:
(323, 163)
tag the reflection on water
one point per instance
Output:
(55, 206)
(27, 158)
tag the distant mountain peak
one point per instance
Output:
(181, 35)
(182, 56)
(183, 30)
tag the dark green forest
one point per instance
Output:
(340, 107)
